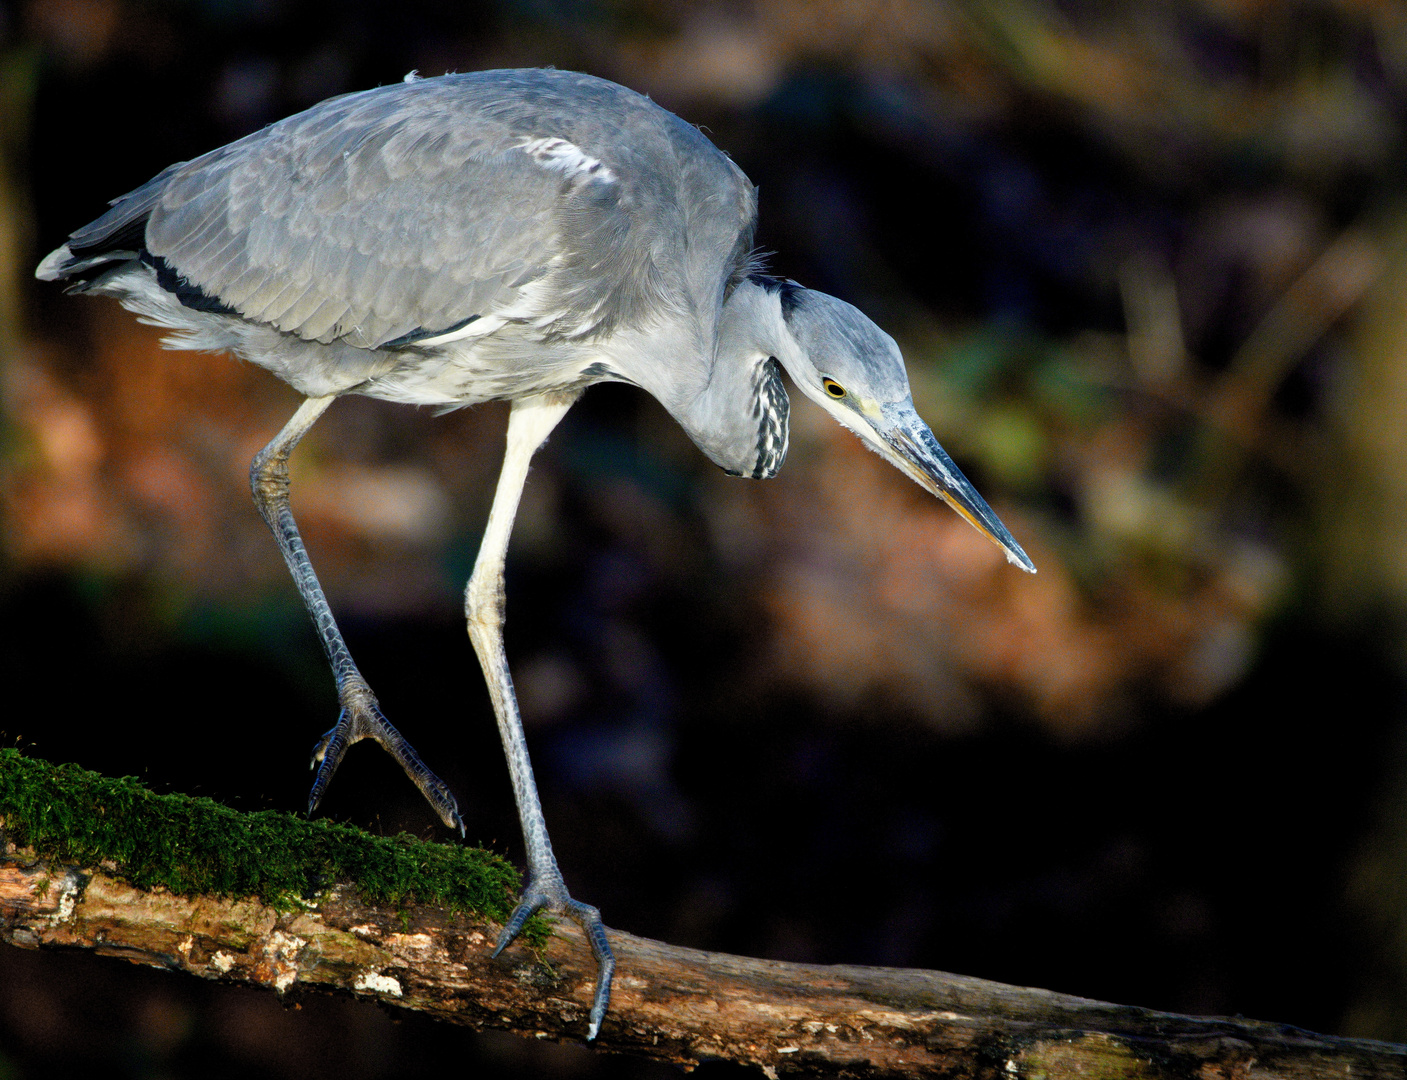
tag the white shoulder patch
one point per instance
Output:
(568, 159)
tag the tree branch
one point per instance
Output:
(678, 1005)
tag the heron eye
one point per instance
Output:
(833, 388)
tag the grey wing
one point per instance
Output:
(396, 216)
(375, 220)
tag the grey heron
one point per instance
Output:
(499, 235)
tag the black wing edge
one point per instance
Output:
(119, 237)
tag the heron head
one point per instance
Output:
(850, 367)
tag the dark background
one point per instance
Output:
(1146, 262)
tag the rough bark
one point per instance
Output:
(679, 1005)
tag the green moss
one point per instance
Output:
(195, 846)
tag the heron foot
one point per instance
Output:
(555, 898)
(361, 718)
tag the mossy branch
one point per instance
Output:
(197, 847)
(270, 899)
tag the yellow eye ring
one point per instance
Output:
(833, 388)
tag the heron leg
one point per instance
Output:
(529, 423)
(360, 716)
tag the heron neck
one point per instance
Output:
(751, 325)
(738, 417)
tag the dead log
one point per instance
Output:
(675, 1004)
(679, 1005)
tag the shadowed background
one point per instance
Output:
(1146, 262)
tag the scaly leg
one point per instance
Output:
(361, 716)
(529, 424)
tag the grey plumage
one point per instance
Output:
(410, 208)
(509, 235)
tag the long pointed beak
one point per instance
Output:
(910, 445)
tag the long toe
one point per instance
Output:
(327, 755)
(589, 919)
(531, 903)
(374, 725)
(435, 790)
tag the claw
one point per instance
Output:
(361, 718)
(584, 915)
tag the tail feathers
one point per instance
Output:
(62, 265)
(55, 265)
(117, 237)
